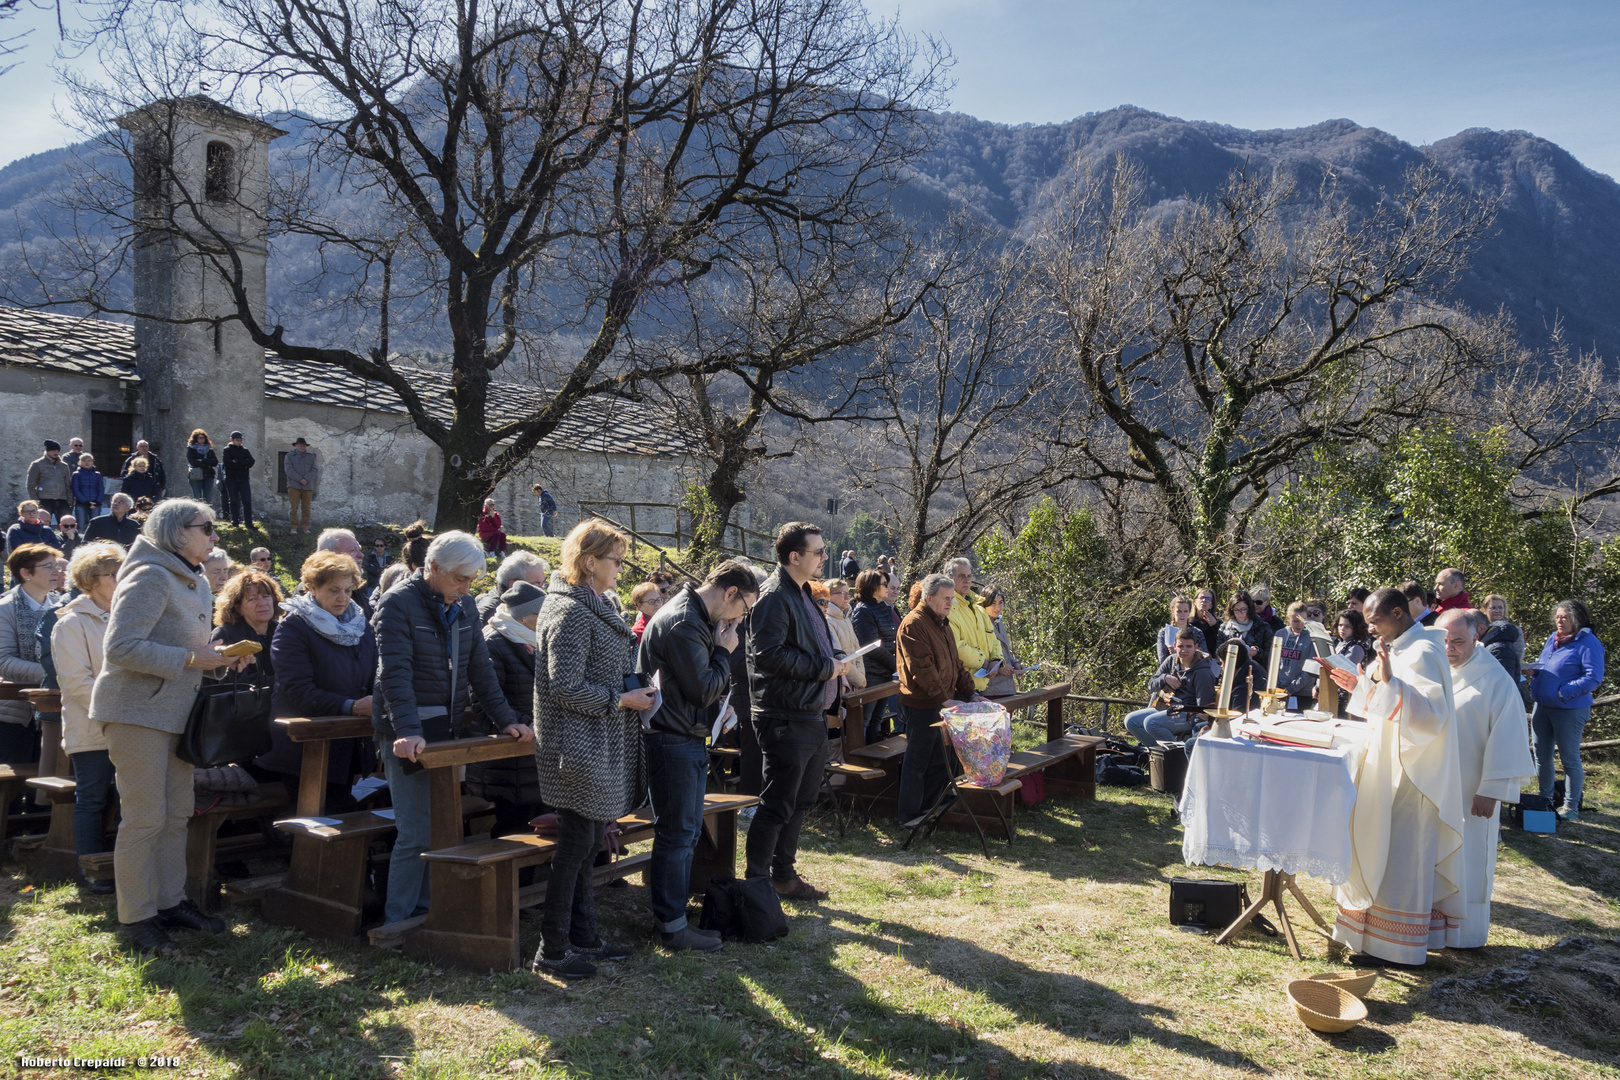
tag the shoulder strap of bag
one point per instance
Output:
(455, 654)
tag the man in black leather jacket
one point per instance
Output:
(688, 645)
(793, 672)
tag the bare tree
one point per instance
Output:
(557, 162)
(965, 421)
(1219, 342)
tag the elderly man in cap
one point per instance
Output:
(302, 472)
(49, 479)
(237, 460)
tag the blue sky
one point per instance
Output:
(1420, 69)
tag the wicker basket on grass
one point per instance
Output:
(1325, 1007)
(1359, 983)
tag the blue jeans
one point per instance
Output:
(407, 873)
(83, 512)
(545, 523)
(875, 711)
(1562, 727)
(676, 766)
(1153, 726)
(203, 490)
(93, 780)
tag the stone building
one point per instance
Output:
(111, 383)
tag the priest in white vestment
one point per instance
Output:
(1406, 830)
(1493, 751)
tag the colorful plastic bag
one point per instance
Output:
(981, 731)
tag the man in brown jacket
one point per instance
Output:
(931, 676)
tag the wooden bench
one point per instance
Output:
(204, 845)
(473, 920)
(53, 857)
(13, 781)
(322, 890)
(1069, 764)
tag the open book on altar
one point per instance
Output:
(1292, 731)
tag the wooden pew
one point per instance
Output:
(204, 846)
(51, 856)
(324, 886)
(13, 778)
(1068, 761)
(473, 920)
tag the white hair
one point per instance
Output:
(328, 539)
(516, 566)
(218, 555)
(457, 553)
(934, 583)
(120, 497)
(953, 565)
(166, 524)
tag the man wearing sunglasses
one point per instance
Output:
(793, 673)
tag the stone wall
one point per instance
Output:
(376, 467)
(36, 404)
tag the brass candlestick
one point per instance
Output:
(1222, 726)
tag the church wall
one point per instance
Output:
(376, 467)
(38, 404)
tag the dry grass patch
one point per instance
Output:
(1053, 959)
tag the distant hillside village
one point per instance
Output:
(111, 384)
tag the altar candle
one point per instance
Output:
(1275, 666)
(1228, 676)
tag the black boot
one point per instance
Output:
(148, 937)
(185, 916)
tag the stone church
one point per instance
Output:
(111, 383)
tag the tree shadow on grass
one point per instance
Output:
(275, 1002)
(844, 990)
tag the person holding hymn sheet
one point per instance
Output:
(1404, 892)
(1493, 749)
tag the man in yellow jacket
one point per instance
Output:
(975, 632)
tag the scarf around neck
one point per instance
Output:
(502, 624)
(345, 631)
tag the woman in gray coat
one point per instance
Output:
(155, 653)
(587, 738)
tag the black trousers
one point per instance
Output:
(924, 771)
(569, 916)
(238, 499)
(795, 756)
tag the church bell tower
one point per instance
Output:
(201, 224)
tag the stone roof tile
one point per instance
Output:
(95, 347)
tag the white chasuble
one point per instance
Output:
(1406, 829)
(1493, 751)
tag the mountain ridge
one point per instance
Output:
(1554, 253)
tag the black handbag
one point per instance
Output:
(1207, 902)
(229, 723)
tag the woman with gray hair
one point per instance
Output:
(430, 654)
(931, 675)
(155, 653)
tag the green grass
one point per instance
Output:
(1053, 959)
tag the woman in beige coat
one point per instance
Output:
(843, 631)
(76, 652)
(155, 652)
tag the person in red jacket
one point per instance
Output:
(1451, 590)
(489, 530)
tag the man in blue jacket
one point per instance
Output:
(793, 673)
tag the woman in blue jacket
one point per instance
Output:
(1561, 684)
(88, 490)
